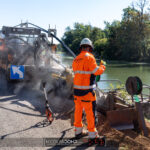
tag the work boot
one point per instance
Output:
(81, 135)
(98, 140)
(93, 135)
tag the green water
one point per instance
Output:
(121, 71)
(124, 70)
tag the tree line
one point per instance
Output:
(128, 39)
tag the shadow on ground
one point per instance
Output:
(41, 124)
(34, 97)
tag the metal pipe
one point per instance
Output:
(113, 89)
(64, 45)
(148, 87)
(114, 80)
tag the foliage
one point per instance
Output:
(121, 92)
(73, 37)
(100, 45)
(128, 39)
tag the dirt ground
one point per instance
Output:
(123, 140)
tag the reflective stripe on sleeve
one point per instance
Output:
(86, 72)
(85, 87)
(87, 54)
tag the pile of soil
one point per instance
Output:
(127, 139)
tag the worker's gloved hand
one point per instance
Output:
(103, 63)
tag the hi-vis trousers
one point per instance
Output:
(89, 106)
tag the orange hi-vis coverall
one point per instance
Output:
(85, 70)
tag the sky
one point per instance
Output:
(61, 13)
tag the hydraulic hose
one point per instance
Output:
(62, 43)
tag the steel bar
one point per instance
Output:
(141, 118)
(114, 80)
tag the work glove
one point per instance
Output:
(102, 64)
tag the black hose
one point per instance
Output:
(62, 43)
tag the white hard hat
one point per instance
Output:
(86, 41)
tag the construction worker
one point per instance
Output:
(85, 70)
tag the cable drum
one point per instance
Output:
(139, 85)
(134, 85)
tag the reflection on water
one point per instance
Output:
(121, 71)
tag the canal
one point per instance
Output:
(120, 71)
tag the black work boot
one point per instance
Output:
(98, 140)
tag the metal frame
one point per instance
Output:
(51, 33)
(111, 80)
(145, 86)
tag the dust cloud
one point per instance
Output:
(41, 65)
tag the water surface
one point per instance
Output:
(121, 71)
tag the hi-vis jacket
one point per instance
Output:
(85, 70)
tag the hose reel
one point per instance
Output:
(134, 85)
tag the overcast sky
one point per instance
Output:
(61, 13)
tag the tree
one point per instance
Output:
(113, 48)
(100, 45)
(128, 39)
(144, 18)
(73, 37)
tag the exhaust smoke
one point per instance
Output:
(41, 65)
